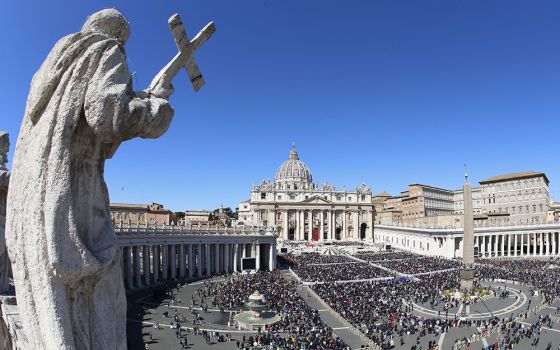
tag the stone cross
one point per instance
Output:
(185, 56)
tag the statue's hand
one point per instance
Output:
(162, 90)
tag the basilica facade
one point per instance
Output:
(301, 210)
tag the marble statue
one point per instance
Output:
(4, 181)
(60, 237)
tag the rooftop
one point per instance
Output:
(513, 176)
(128, 206)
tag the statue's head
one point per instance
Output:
(109, 22)
(4, 148)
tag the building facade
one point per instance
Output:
(141, 214)
(516, 198)
(301, 210)
(423, 201)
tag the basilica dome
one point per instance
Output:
(293, 172)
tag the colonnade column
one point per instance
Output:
(344, 227)
(258, 256)
(164, 262)
(502, 245)
(128, 267)
(541, 243)
(286, 228)
(496, 238)
(199, 260)
(322, 227)
(274, 253)
(271, 257)
(155, 257)
(515, 245)
(356, 225)
(217, 268)
(182, 260)
(146, 258)
(301, 227)
(191, 261)
(172, 257)
(554, 243)
(329, 225)
(226, 258)
(207, 258)
(296, 229)
(475, 243)
(137, 271)
(310, 223)
(235, 256)
(482, 248)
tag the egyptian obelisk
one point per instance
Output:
(467, 268)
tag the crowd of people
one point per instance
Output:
(384, 256)
(541, 274)
(383, 310)
(380, 311)
(420, 264)
(339, 272)
(315, 258)
(300, 327)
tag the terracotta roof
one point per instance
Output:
(432, 187)
(128, 206)
(383, 194)
(513, 176)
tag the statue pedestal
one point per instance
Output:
(466, 274)
(11, 328)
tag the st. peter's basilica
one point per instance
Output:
(301, 210)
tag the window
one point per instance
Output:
(363, 197)
(140, 217)
(279, 197)
(292, 197)
(306, 197)
(263, 195)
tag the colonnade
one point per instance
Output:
(146, 264)
(517, 244)
(516, 241)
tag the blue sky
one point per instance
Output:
(383, 92)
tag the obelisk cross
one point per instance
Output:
(185, 56)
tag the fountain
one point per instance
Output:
(257, 317)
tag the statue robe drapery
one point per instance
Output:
(60, 237)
